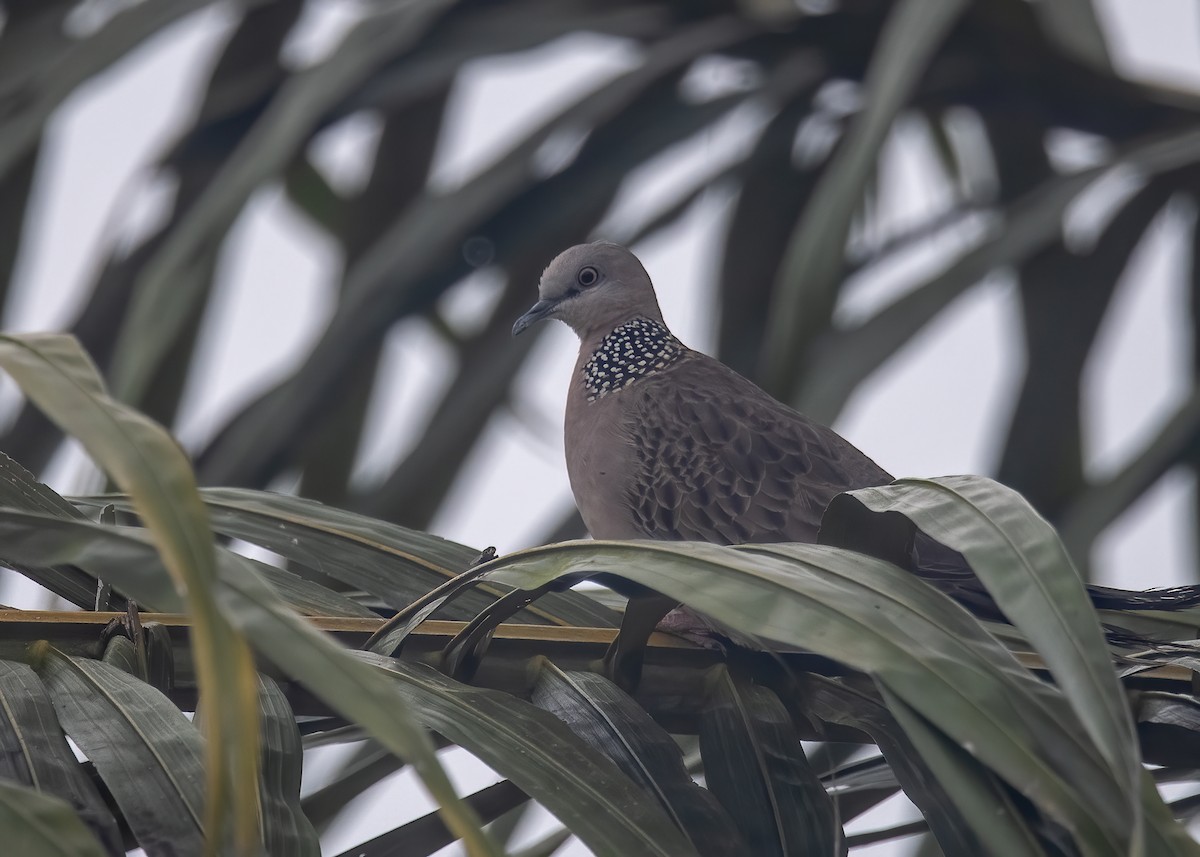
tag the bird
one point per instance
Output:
(664, 442)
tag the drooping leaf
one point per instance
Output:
(609, 720)
(754, 764)
(945, 813)
(149, 755)
(19, 489)
(1020, 559)
(542, 757)
(395, 563)
(832, 602)
(280, 634)
(34, 752)
(980, 799)
(286, 830)
(147, 463)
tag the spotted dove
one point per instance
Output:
(664, 442)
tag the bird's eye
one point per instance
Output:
(587, 276)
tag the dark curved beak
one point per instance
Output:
(537, 312)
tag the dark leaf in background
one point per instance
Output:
(863, 709)
(754, 764)
(149, 755)
(609, 720)
(286, 830)
(811, 271)
(34, 752)
(402, 242)
(1043, 458)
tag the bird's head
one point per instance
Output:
(593, 288)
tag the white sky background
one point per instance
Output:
(276, 269)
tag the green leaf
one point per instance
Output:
(1025, 567)
(877, 618)
(120, 652)
(286, 830)
(542, 757)
(610, 721)
(754, 764)
(973, 789)
(149, 465)
(325, 668)
(302, 595)
(38, 825)
(19, 489)
(395, 563)
(834, 701)
(33, 752)
(149, 755)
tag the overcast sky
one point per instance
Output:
(273, 294)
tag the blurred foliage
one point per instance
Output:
(983, 87)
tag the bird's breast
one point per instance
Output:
(599, 465)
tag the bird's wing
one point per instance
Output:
(719, 460)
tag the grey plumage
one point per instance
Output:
(664, 442)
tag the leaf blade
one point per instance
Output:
(140, 456)
(1021, 560)
(149, 755)
(39, 825)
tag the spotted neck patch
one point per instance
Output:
(634, 350)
